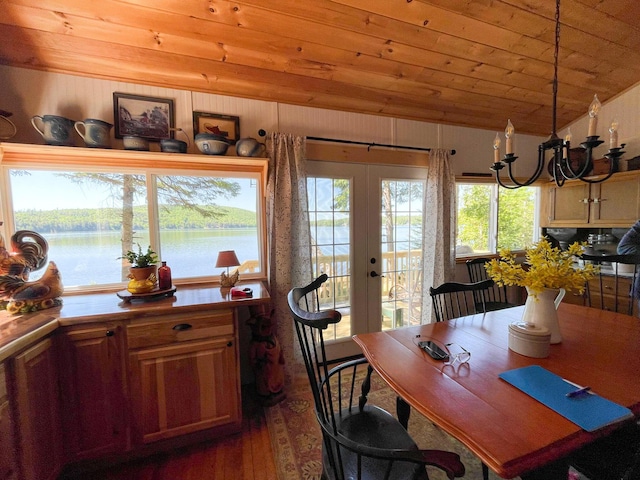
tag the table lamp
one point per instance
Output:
(228, 258)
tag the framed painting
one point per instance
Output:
(226, 125)
(147, 117)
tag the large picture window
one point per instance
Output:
(491, 218)
(90, 216)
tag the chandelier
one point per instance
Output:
(561, 165)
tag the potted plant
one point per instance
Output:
(142, 264)
(547, 273)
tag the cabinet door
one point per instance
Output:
(7, 441)
(604, 294)
(179, 389)
(91, 377)
(616, 202)
(568, 205)
(38, 411)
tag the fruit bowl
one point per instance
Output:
(211, 144)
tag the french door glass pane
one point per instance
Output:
(330, 222)
(401, 237)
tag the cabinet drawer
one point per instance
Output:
(608, 302)
(180, 328)
(609, 285)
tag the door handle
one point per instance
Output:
(375, 274)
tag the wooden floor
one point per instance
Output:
(243, 456)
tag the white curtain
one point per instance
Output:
(289, 236)
(439, 220)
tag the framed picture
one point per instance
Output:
(226, 125)
(147, 117)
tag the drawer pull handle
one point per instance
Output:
(230, 344)
(110, 333)
(181, 326)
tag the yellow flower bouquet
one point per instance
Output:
(544, 267)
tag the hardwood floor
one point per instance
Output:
(243, 456)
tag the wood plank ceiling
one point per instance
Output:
(463, 62)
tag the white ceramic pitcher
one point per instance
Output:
(541, 310)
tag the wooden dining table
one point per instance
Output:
(511, 432)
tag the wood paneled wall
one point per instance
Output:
(30, 92)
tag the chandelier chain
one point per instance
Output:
(555, 66)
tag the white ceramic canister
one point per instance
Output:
(529, 340)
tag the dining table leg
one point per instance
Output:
(403, 410)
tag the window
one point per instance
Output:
(90, 214)
(491, 218)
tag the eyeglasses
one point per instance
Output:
(462, 355)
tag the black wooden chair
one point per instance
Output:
(615, 457)
(496, 296)
(360, 441)
(455, 299)
(613, 289)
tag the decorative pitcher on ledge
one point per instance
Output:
(541, 310)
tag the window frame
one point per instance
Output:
(45, 157)
(493, 221)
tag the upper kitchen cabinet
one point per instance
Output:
(613, 203)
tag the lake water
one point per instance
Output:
(86, 258)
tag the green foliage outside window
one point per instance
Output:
(515, 217)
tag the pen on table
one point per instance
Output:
(579, 391)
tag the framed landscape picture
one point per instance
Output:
(226, 125)
(147, 117)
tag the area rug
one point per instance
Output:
(297, 442)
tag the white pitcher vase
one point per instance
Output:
(540, 310)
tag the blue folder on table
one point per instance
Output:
(589, 411)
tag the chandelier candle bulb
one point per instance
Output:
(496, 149)
(613, 134)
(594, 109)
(567, 141)
(508, 134)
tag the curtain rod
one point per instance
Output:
(369, 145)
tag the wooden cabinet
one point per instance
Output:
(183, 375)
(8, 469)
(38, 411)
(613, 203)
(93, 384)
(606, 297)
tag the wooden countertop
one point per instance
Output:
(18, 331)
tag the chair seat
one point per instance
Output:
(611, 457)
(375, 427)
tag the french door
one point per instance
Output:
(366, 234)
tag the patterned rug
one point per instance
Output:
(297, 443)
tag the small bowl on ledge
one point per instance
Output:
(171, 145)
(211, 144)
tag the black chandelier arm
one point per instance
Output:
(503, 185)
(508, 160)
(565, 164)
(612, 155)
(558, 179)
(537, 173)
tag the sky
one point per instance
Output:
(42, 190)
